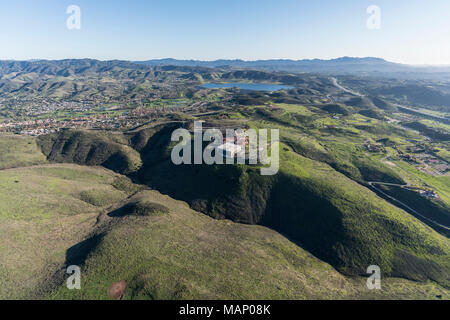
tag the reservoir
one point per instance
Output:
(247, 86)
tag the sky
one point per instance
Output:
(411, 31)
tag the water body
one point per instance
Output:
(248, 86)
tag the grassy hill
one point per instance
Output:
(19, 151)
(44, 210)
(356, 227)
(91, 148)
(306, 199)
(183, 254)
(112, 202)
(60, 214)
(439, 211)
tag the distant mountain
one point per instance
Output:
(344, 65)
(88, 79)
(339, 66)
(81, 79)
(93, 79)
(72, 66)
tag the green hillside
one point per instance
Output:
(306, 199)
(17, 151)
(325, 212)
(43, 212)
(61, 214)
(91, 148)
(183, 254)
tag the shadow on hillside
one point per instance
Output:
(77, 254)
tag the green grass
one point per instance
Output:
(441, 183)
(91, 148)
(306, 199)
(432, 209)
(299, 109)
(42, 214)
(102, 197)
(19, 151)
(187, 255)
(165, 250)
(443, 154)
(436, 124)
(374, 228)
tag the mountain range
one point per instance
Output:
(344, 65)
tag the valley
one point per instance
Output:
(86, 178)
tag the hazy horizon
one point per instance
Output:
(226, 59)
(410, 32)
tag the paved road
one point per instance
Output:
(408, 184)
(426, 114)
(372, 184)
(337, 85)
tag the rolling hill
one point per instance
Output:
(160, 247)
(343, 65)
(358, 228)
(110, 200)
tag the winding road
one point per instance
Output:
(372, 184)
(438, 118)
(337, 85)
(408, 184)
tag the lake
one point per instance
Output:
(247, 86)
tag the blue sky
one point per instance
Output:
(414, 31)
